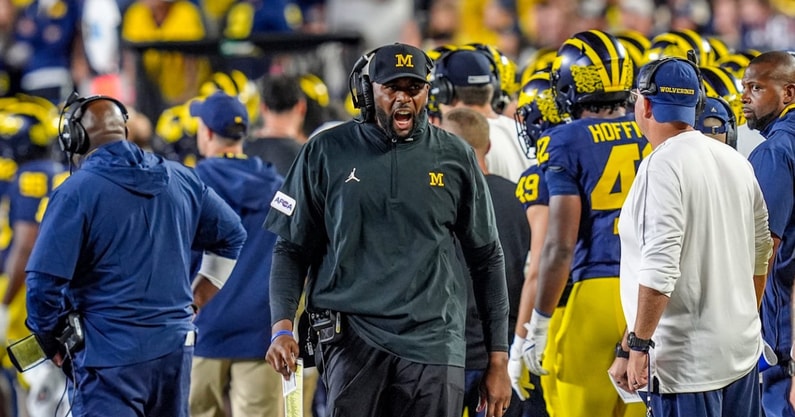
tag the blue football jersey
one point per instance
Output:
(49, 32)
(532, 188)
(30, 190)
(596, 159)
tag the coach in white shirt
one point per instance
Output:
(694, 251)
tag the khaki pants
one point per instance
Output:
(254, 388)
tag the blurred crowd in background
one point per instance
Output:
(49, 47)
(289, 61)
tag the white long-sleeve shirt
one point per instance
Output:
(694, 227)
(505, 157)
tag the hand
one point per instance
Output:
(618, 370)
(792, 394)
(58, 360)
(517, 371)
(791, 391)
(282, 355)
(637, 370)
(537, 331)
(495, 387)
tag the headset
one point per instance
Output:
(444, 91)
(647, 87)
(729, 128)
(506, 83)
(72, 136)
(361, 87)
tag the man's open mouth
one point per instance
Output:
(403, 119)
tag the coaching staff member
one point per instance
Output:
(693, 202)
(114, 247)
(372, 210)
(768, 100)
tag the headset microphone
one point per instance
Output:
(691, 56)
(73, 97)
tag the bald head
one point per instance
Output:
(776, 66)
(104, 122)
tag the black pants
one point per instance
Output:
(364, 381)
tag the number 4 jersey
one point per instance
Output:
(596, 159)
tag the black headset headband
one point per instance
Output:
(72, 136)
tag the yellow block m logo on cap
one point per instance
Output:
(404, 61)
(437, 179)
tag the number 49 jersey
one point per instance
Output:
(596, 159)
(31, 189)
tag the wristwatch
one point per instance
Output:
(791, 368)
(639, 345)
(620, 352)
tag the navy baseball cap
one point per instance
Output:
(464, 68)
(225, 115)
(713, 108)
(399, 60)
(678, 88)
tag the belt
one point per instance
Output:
(190, 338)
(564, 297)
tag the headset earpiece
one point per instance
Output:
(731, 132)
(361, 88)
(442, 89)
(72, 136)
(731, 124)
(500, 101)
(354, 82)
(368, 110)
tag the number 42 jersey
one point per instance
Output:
(595, 159)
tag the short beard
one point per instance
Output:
(386, 122)
(760, 123)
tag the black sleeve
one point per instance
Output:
(288, 273)
(487, 268)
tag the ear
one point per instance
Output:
(646, 108)
(203, 128)
(300, 107)
(789, 94)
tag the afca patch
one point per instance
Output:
(284, 203)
